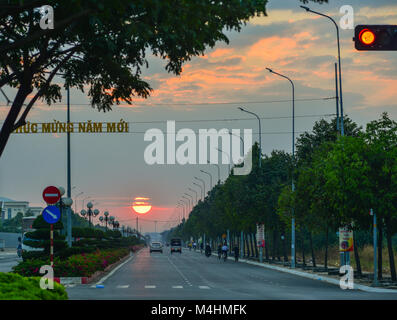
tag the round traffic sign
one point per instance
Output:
(51, 214)
(51, 195)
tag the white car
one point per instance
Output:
(156, 246)
(28, 248)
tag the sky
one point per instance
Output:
(111, 169)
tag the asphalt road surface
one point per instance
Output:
(8, 259)
(192, 275)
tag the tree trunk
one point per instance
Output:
(380, 247)
(312, 249)
(274, 245)
(252, 248)
(326, 248)
(357, 257)
(12, 115)
(256, 247)
(389, 235)
(247, 248)
(303, 248)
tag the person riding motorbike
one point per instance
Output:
(219, 251)
(207, 250)
(236, 253)
(224, 251)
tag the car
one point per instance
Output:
(156, 246)
(176, 245)
(26, 248)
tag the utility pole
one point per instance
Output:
(375, 250)
(137, 224)
(69, 191)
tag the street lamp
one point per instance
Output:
(293, 159)
(106, 219)
(219, 171)
(82, 207)
(190, 200)
(201, 189)
(242, 140)
(203, 182)
(90, 213)
(339, 61)
(195, 192)
(75, 201)
(228, 156)
(210, 175)
(260, 133)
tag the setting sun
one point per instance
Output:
(141, 205)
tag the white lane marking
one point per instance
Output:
(150, 287)
(93, 286)
(115, 269)
(123, 286)
(69, 285)
(204, 287)
(179, 271)
(177, 287)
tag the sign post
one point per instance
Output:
(51, 214)
(260, 239)
(345, 243)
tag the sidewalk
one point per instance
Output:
(311, 275)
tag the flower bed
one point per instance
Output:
(80, 265)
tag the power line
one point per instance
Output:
(200, 103)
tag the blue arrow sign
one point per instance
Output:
(51, 214)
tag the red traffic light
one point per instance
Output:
(376, 37)
(367, 37)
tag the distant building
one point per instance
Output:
(9, 208)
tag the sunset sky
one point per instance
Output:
(110, 168)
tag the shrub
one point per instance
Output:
(16, 287)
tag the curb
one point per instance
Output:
(313, 276)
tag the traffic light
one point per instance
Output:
(376, 37)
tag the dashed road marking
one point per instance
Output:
(204, 287)
(123, 286)
(179, 271)
(150, 287)
(177, 287)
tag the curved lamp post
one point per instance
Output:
(339, 62)
(260, 133)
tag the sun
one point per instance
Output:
(141, 205)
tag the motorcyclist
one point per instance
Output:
(219, 251)
(236, 253)
(19, 248)
(224, 250)
(207, 250)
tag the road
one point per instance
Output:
(8, 259)
(191, 275)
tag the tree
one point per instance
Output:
(381, 137)
(103, 44)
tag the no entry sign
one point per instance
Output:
(51, 195)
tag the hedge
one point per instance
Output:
(15, 287)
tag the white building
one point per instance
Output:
(9, 208)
